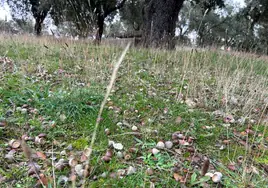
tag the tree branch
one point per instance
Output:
(109, 11)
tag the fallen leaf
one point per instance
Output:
(43, 180)
(177, 177)
(232, 167)
(3, 123)
(41, 155)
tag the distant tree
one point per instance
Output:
(86, 14)
(7, 27)
(39, 9)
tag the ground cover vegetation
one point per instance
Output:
(173, 118)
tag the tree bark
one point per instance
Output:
(100, 24)
(101, 17)
(38, 26)
(160, 17)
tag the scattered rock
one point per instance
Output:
(160, 145)
(134, 128)
(168, 144)
(216, 178)
(131, 170)
(190, 103)
(118, 146)
(104, 175)
(79, 170)
(69, 147)
(119, 155)
(155, 151)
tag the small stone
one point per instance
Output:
(209, 174)
(118, 146)
(134, 128)
(190, 103)
(155, 151)
(62, 153)
(79, 170)
(62, 180)
(160, 145)
(119, 124)
(104, 175)
(18, 109)
(62, 117)
(23, 110)
(110, 143)
(69, 147)
(168, 144)
(72, 162)
(131, 170)
(119, 155)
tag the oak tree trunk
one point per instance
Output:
(160, 17)
(100, 24)
(38, 26)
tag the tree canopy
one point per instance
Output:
(160, 23)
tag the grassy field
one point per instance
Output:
(209, 104)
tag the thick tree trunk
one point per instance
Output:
(160, 17)
(100, 24)
(38, 27)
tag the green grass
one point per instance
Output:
(62, 89)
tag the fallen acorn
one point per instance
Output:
(106, 159)
(131, 170)
(127, 157)
(160, 145)
(168, 144)
(14, 144)
(107, 131)
(155, 151)
(39, 140)
(24, 137)
(72, 162)
(149, 171)
(109, 153)
(134, 128)
(240, 159)
(216, 178)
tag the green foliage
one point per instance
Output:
(131, 15)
